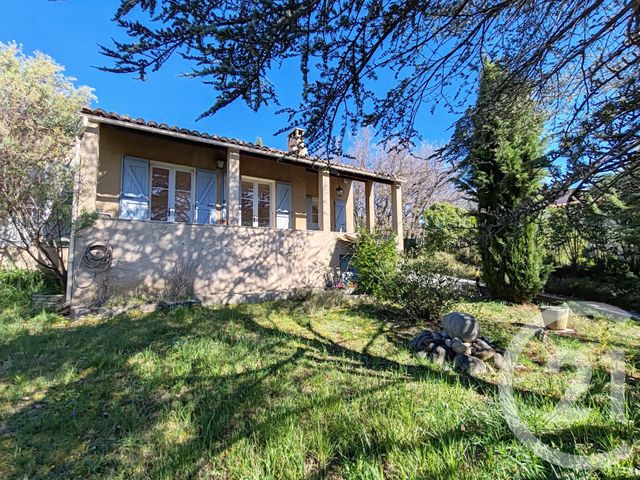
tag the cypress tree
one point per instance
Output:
(502, 163)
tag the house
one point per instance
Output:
(236, 220)
(564, 200)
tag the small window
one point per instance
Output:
(345, 262)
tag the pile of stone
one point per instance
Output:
(459, 342)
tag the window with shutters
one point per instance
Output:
(156, 191)
(172, 193)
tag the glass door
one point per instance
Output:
(247, 203)
(160, 194)
(171, 194)
(313, 214)
(256, 203)
(182, 196)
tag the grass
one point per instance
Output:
(313, 388)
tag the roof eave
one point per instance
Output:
(310, 162)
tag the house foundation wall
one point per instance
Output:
(228, 263)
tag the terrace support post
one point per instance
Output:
(87, 163)
(85, 189)
(396, 214)
(233, 186)
(324, 200)
(369, 206)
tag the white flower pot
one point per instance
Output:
(555, 318)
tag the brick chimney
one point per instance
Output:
(296, 143)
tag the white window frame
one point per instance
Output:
(173, 168)
(272, 199)
(310, 224)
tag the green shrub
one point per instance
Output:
(424, 291)
(565, 245)
(448, 228)
(513, 265)
(375, 259)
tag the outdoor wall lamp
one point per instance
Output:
(220, 164)
(339, 191)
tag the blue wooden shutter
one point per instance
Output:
(283, 205)
(134, 195)
(206, 195)
(341, 216)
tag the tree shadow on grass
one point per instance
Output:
(108, 395)
(393, 323)
(80, 426)
(395, 326)
(89, 401)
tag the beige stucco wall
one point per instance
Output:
(115, 143)
(233, 263)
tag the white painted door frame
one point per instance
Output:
(172, 188)
(272, 190)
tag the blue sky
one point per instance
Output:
(70, 32)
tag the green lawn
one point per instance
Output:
(286, 390)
